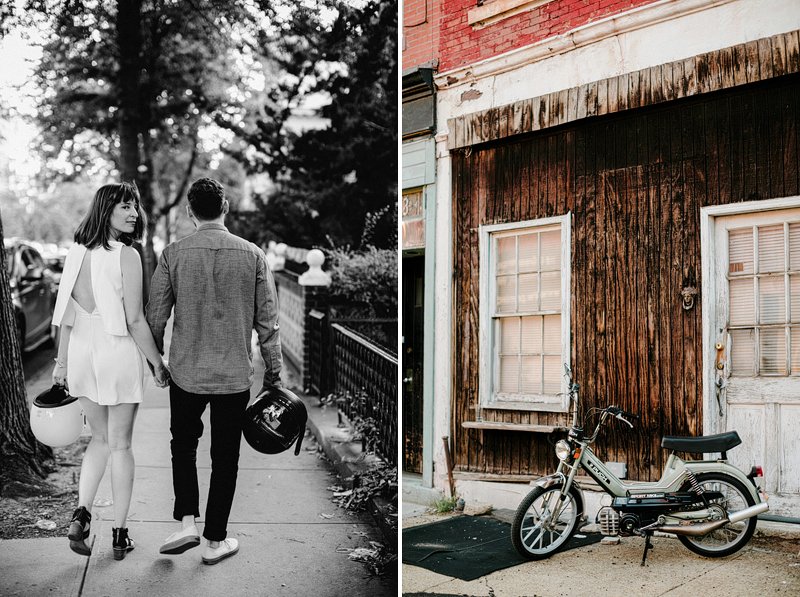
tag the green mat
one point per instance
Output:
(468, 547)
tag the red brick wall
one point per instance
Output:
(420, 32)
(461, 44)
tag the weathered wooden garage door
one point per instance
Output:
(635, 183)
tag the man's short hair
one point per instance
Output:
(205, 198)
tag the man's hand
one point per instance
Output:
(160, 374)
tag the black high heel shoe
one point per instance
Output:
(122, 543)
(79, 531)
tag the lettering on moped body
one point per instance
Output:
(594, 468)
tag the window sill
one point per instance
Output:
(497, 426)
(488, 14)
(553, 407)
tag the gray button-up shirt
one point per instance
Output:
(221, 288)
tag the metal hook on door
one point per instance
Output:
(719, 370)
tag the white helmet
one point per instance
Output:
(56, 417)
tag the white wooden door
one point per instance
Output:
(757, 306)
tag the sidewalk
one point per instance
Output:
(768, 565)
(293, 539)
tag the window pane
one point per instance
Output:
(528, 252)
(771, 300)
(506, 294)
(552, 334)
(509, 335)
(743, 354)
(509, 375)
(794, 294)
(531, 375)
(551, 251)
(528, 292)
(742, 310)
(552, 375)
(740, 251)
(772, 351)
(551, 291)
(796, 351)
(770, 249)
(506, 255)
(794, 247)
(531, 335)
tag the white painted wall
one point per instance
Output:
(655, 34)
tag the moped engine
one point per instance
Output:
(608, 519)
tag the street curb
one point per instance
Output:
(347, 458)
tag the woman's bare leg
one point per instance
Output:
(95, 457)
(120, 432)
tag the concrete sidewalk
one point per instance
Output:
(293, 539)
(768, 565)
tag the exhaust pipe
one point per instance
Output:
(698, 530)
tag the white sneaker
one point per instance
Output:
(181, 541)
(227, 548)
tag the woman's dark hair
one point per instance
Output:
(95, 229)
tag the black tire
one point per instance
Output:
(733, 536)
(529, 514)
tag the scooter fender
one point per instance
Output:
(707, 466)
(560, 478)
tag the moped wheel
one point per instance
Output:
(543, 523)
(733, 536)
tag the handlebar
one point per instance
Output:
(622, 415)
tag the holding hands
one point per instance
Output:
(160, 374)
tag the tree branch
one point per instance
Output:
(184, 183)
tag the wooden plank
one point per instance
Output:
(752, 64)
(458, 132)
(591, 98)
(542, 113)
(581, 101)
(726, 68)
(602, 97)
(792, 42)
(778, 55)
(656, 85)
(527, 115)
(563, 104)
(634, 90)
(487, 425)
(623, 92)
(646, 87)
(515, 121)
(571, 112)
(667, 82)
(678, 79)
(791, 168)
(765, 58)
(739, 64)
(689, 77)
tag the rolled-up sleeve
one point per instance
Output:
(162, 298)
(266, 322)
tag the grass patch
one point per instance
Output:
(444, 504)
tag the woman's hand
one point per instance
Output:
(161, 375)
(60, 374)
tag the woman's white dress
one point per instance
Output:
(103, 362)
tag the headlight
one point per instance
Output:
(563, 450)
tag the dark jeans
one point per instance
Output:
(227, 415)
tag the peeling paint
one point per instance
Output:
(471, 94)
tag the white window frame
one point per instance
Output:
(487, 374)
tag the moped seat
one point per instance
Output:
(720, 442)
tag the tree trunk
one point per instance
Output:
(22, 457)
(132, 122)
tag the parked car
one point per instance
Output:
(32, 293)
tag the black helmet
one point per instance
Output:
(274, 421)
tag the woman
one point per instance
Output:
(104, 334)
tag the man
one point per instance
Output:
(221, 288)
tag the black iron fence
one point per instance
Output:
(366, 376)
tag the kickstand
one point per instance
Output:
(647, 546)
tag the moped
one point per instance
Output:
(709, 504)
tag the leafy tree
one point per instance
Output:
(129, 82)
(329, 178)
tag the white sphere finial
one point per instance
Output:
(315, 276)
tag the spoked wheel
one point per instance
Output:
(543, 522)
(733, 536)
